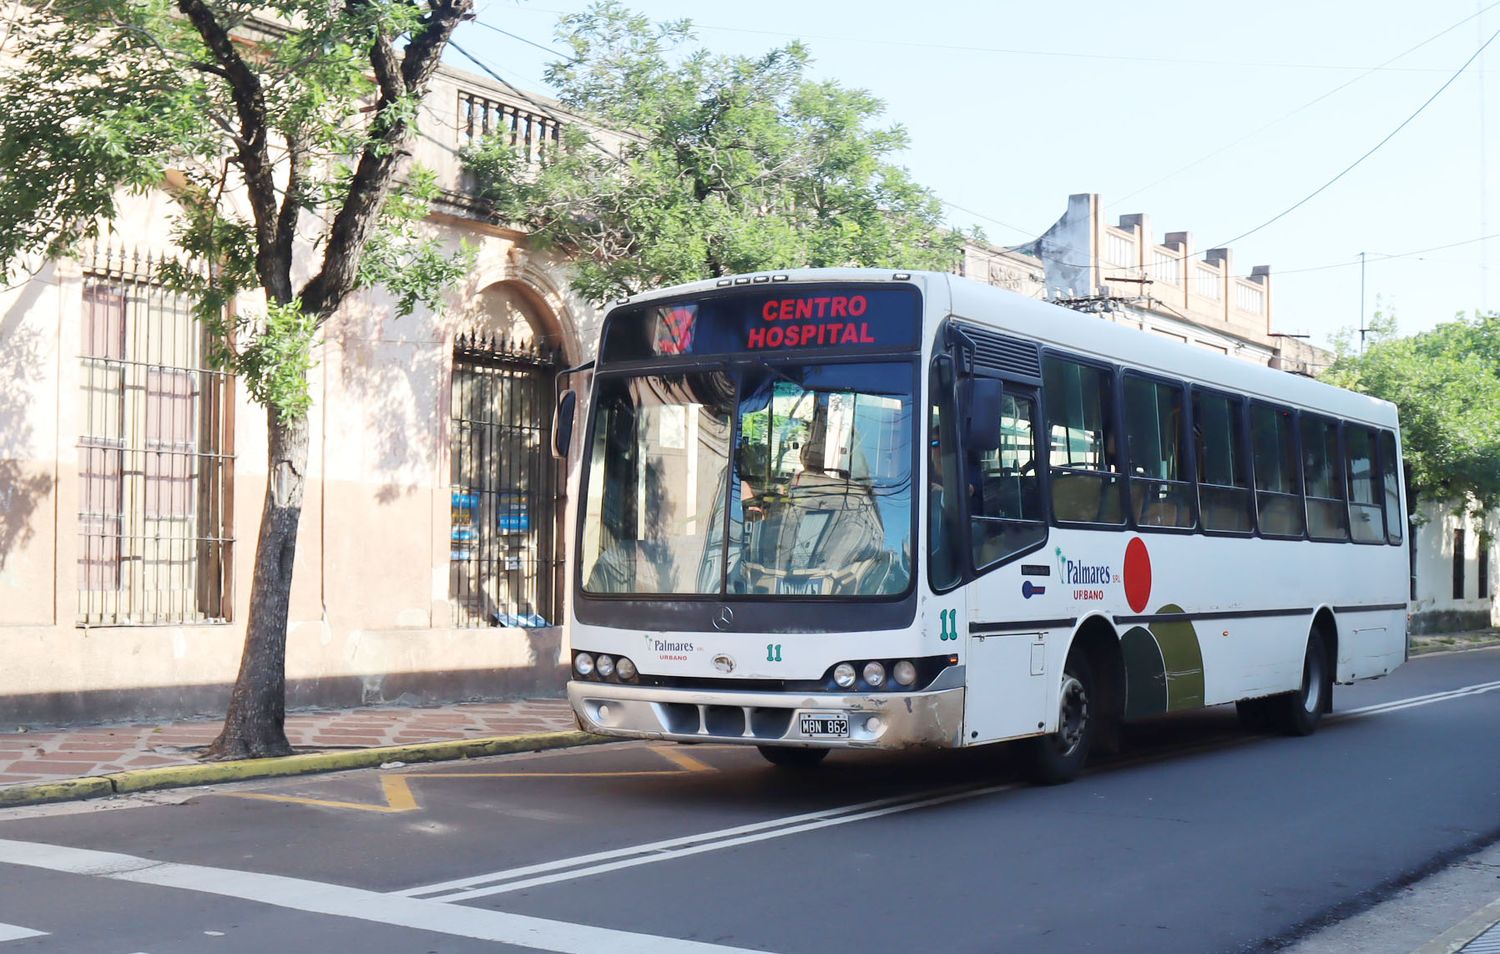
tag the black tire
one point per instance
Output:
(1298, 712)
(1059, 756)
(1253, 715)
(786, 757)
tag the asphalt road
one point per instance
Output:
(1196, 838)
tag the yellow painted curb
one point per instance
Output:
(209, 773)
(67, 790)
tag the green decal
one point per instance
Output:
(773, 652)
(1145, 673)
(1182, 659)
(948, 620)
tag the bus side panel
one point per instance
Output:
(1008, 679)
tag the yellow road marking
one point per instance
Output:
(398, 798)
(674, 753)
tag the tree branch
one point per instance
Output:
(253, 155)
(357, 220)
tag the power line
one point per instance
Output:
(1372, 150)
(1380, 257)
(988, 218)
(1305, 106)
(540, 46)
(1010, 51)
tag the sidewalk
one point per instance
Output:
(52, 754)
(1452, 642)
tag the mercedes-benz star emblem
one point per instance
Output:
(724, 619)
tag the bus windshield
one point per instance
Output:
(814, 501)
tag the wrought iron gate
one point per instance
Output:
(501, 561)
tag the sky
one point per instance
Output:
(1211, 118)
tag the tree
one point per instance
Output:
(1446, 385)
(725, 164)
(281, 127)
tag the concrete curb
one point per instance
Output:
(1460, 646)
(1457, 938)
(211, 773)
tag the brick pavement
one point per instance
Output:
(53, 753)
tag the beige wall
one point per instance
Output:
(370, 615)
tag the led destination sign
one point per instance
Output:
(767, 320)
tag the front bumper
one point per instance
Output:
(876, 720)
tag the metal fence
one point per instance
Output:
(501, 564)
(154, 469)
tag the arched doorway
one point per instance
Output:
(503, 553)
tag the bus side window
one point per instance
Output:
(1390, 474)
(1083, 454)
(1364, 493)
(1006, 498)
(1224, 498)
(1323, 480)
(1278, 501)
(1160, 495)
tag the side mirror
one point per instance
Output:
(980, 410)
(562, 424)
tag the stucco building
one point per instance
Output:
(132, 473)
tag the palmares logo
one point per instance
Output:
(1087, 578)
(666, 649)
(1075, 573)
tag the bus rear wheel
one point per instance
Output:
(1059, 756)
(786, 757)
(1298, 712)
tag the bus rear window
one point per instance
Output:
(774, 320)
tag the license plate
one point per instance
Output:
(825, 725)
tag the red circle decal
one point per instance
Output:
(1137, 575)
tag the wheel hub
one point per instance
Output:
(1073, 716)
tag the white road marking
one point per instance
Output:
(1414, 701)
(668, 844)
(671, 854)
(582, 866)
(318, 897)
(14, 932)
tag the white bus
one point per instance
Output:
(861, 509)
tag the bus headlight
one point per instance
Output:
(874, 674)
(904, 673)
(583, 664)
(843, 675)
(626, 669)
(606, 666)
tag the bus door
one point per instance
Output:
(1002, 495)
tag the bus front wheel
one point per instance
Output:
(1297, 712)
(1060, 756)
(786, 757)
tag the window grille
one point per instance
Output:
(527, 130)
(154, 468)
(501, 566)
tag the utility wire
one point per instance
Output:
(1305, 106)
(988, 218)
(1372, 150)
(1379, 257)
(1008, 51)
(540, 46)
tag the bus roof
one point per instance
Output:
(1089, 335)
(1081, 334)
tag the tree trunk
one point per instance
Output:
(255, 726)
